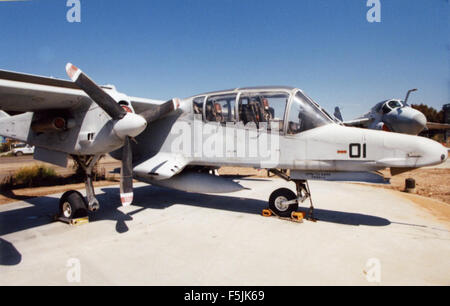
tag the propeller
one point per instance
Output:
(126, 174)
(105, 101)
(127, 125)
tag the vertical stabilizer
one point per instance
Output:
(337, 113)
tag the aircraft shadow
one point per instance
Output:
(9, 256)
(346, 218)
(161, 198)
(44, 208)
(41, 212)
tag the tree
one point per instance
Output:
(430, 113)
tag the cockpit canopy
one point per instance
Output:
(388, 106)
(282, 109)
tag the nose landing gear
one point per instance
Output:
(283, 202)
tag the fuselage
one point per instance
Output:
(278, 127)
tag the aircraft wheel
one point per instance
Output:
(276, 202)
(72, 205)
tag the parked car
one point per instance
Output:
(19, 149)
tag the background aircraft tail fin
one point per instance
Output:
(337, 113)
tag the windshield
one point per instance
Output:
(394, 104)
(389, 106)
(305, 115)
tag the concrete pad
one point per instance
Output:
(175, 238)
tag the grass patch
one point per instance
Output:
(32, 175)
(7, 154)
(42, 176)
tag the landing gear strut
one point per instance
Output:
(87, 163)
(283, 201)
(72, 204)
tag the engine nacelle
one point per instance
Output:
(52, 124)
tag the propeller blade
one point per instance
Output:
(105, 101)
(158, 111)
(126, 174)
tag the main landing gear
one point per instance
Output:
(283, 202)
(72, 204)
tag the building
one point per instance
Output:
(446, 109)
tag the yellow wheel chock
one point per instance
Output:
(267, 213)
(296, 216)
(74, 222)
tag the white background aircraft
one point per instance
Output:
(394, 115)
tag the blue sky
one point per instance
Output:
(161, 49)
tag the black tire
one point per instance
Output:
(72, 205)
(19, 153)
(282, 194)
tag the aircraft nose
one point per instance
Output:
(419, 122)
(444, 155)
(434, 152)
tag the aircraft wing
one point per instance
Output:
(437, 126)
(140, 105)
(357, 122)
(28, 93)
(21, 92)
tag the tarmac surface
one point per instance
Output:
(364, 236)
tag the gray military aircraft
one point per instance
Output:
(176, 143)
(394, 115)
